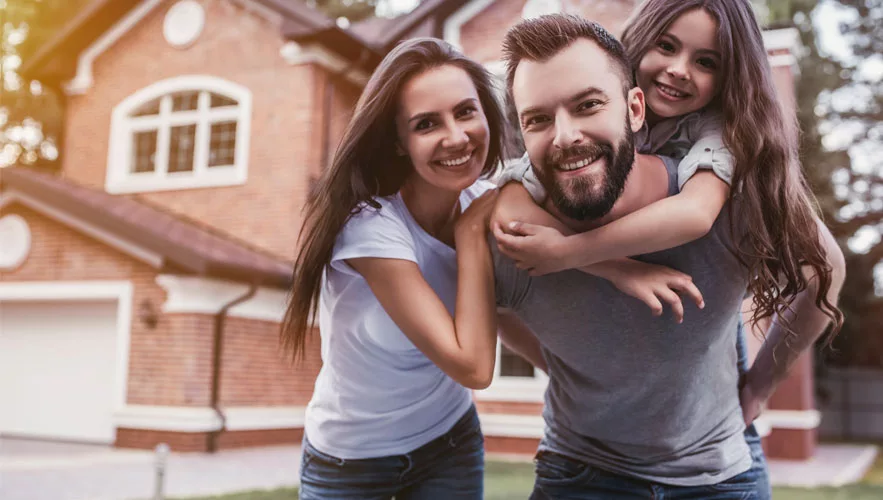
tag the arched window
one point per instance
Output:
(182, 133)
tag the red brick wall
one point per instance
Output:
(170, 364)
(482, 35)
(255, 372)
(239, 46)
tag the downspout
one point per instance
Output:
(217, 351)
(329, 97)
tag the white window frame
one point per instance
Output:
(514, 389)
(121, 179)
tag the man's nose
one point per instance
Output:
(567, 133)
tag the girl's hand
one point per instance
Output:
(534, 248)
(475, 220)
(653, 284)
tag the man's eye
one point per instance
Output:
(534, 120)
(588, 105)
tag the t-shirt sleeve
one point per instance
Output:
(520, 171)
(510, 283)
(379, 233)
(707, 153)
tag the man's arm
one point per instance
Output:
(519, 338)
(781, 350)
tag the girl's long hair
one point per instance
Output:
(776, 207)
(367, 165)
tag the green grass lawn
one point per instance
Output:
(513, 481)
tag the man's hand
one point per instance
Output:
(534, 248)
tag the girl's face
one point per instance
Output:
(681, 72)
(442, 128)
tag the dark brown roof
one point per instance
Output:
(56, 61)
(184, 245)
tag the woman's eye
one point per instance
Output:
(469, 111)
(423, 125)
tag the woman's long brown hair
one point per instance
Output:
(366, 165)
(776, 207)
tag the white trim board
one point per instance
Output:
(204, 419)
(507, 425)
(121, 291)
(83, 80)
(190, 294)
(84, 227)
(455, 21)
(314, 53)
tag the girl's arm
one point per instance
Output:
(463, 346)
(667, 223)
(649, 283)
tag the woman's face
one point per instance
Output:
(681, 72)
(442, 128)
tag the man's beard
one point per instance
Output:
(577, 198)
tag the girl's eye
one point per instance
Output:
(707, 63)
(665, 46)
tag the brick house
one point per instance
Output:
(142, 286)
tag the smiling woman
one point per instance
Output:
(395, 261)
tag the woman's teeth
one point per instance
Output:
(456, 162)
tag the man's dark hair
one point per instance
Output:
(543, 37)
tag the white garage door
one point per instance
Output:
(58, 369)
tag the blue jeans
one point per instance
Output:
(450, 466)
(560, 477)
(563, 478)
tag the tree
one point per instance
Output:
(840, 109)
(30, 114)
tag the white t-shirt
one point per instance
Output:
(377, 394)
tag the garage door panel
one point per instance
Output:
(57, 369)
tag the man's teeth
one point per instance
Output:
(670, 91)
(456, 162)
(576, 165)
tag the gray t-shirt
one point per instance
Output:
(632, 393)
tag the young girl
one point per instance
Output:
(407, 324)
(710, 101)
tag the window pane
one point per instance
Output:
(513, 365)
(144, 151)
(222, 148)
(185, 101)
(181, 148)
(147, 109)
(219, 101)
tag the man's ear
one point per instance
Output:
(635, 101)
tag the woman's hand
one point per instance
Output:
(652, 285)
(475, 220)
